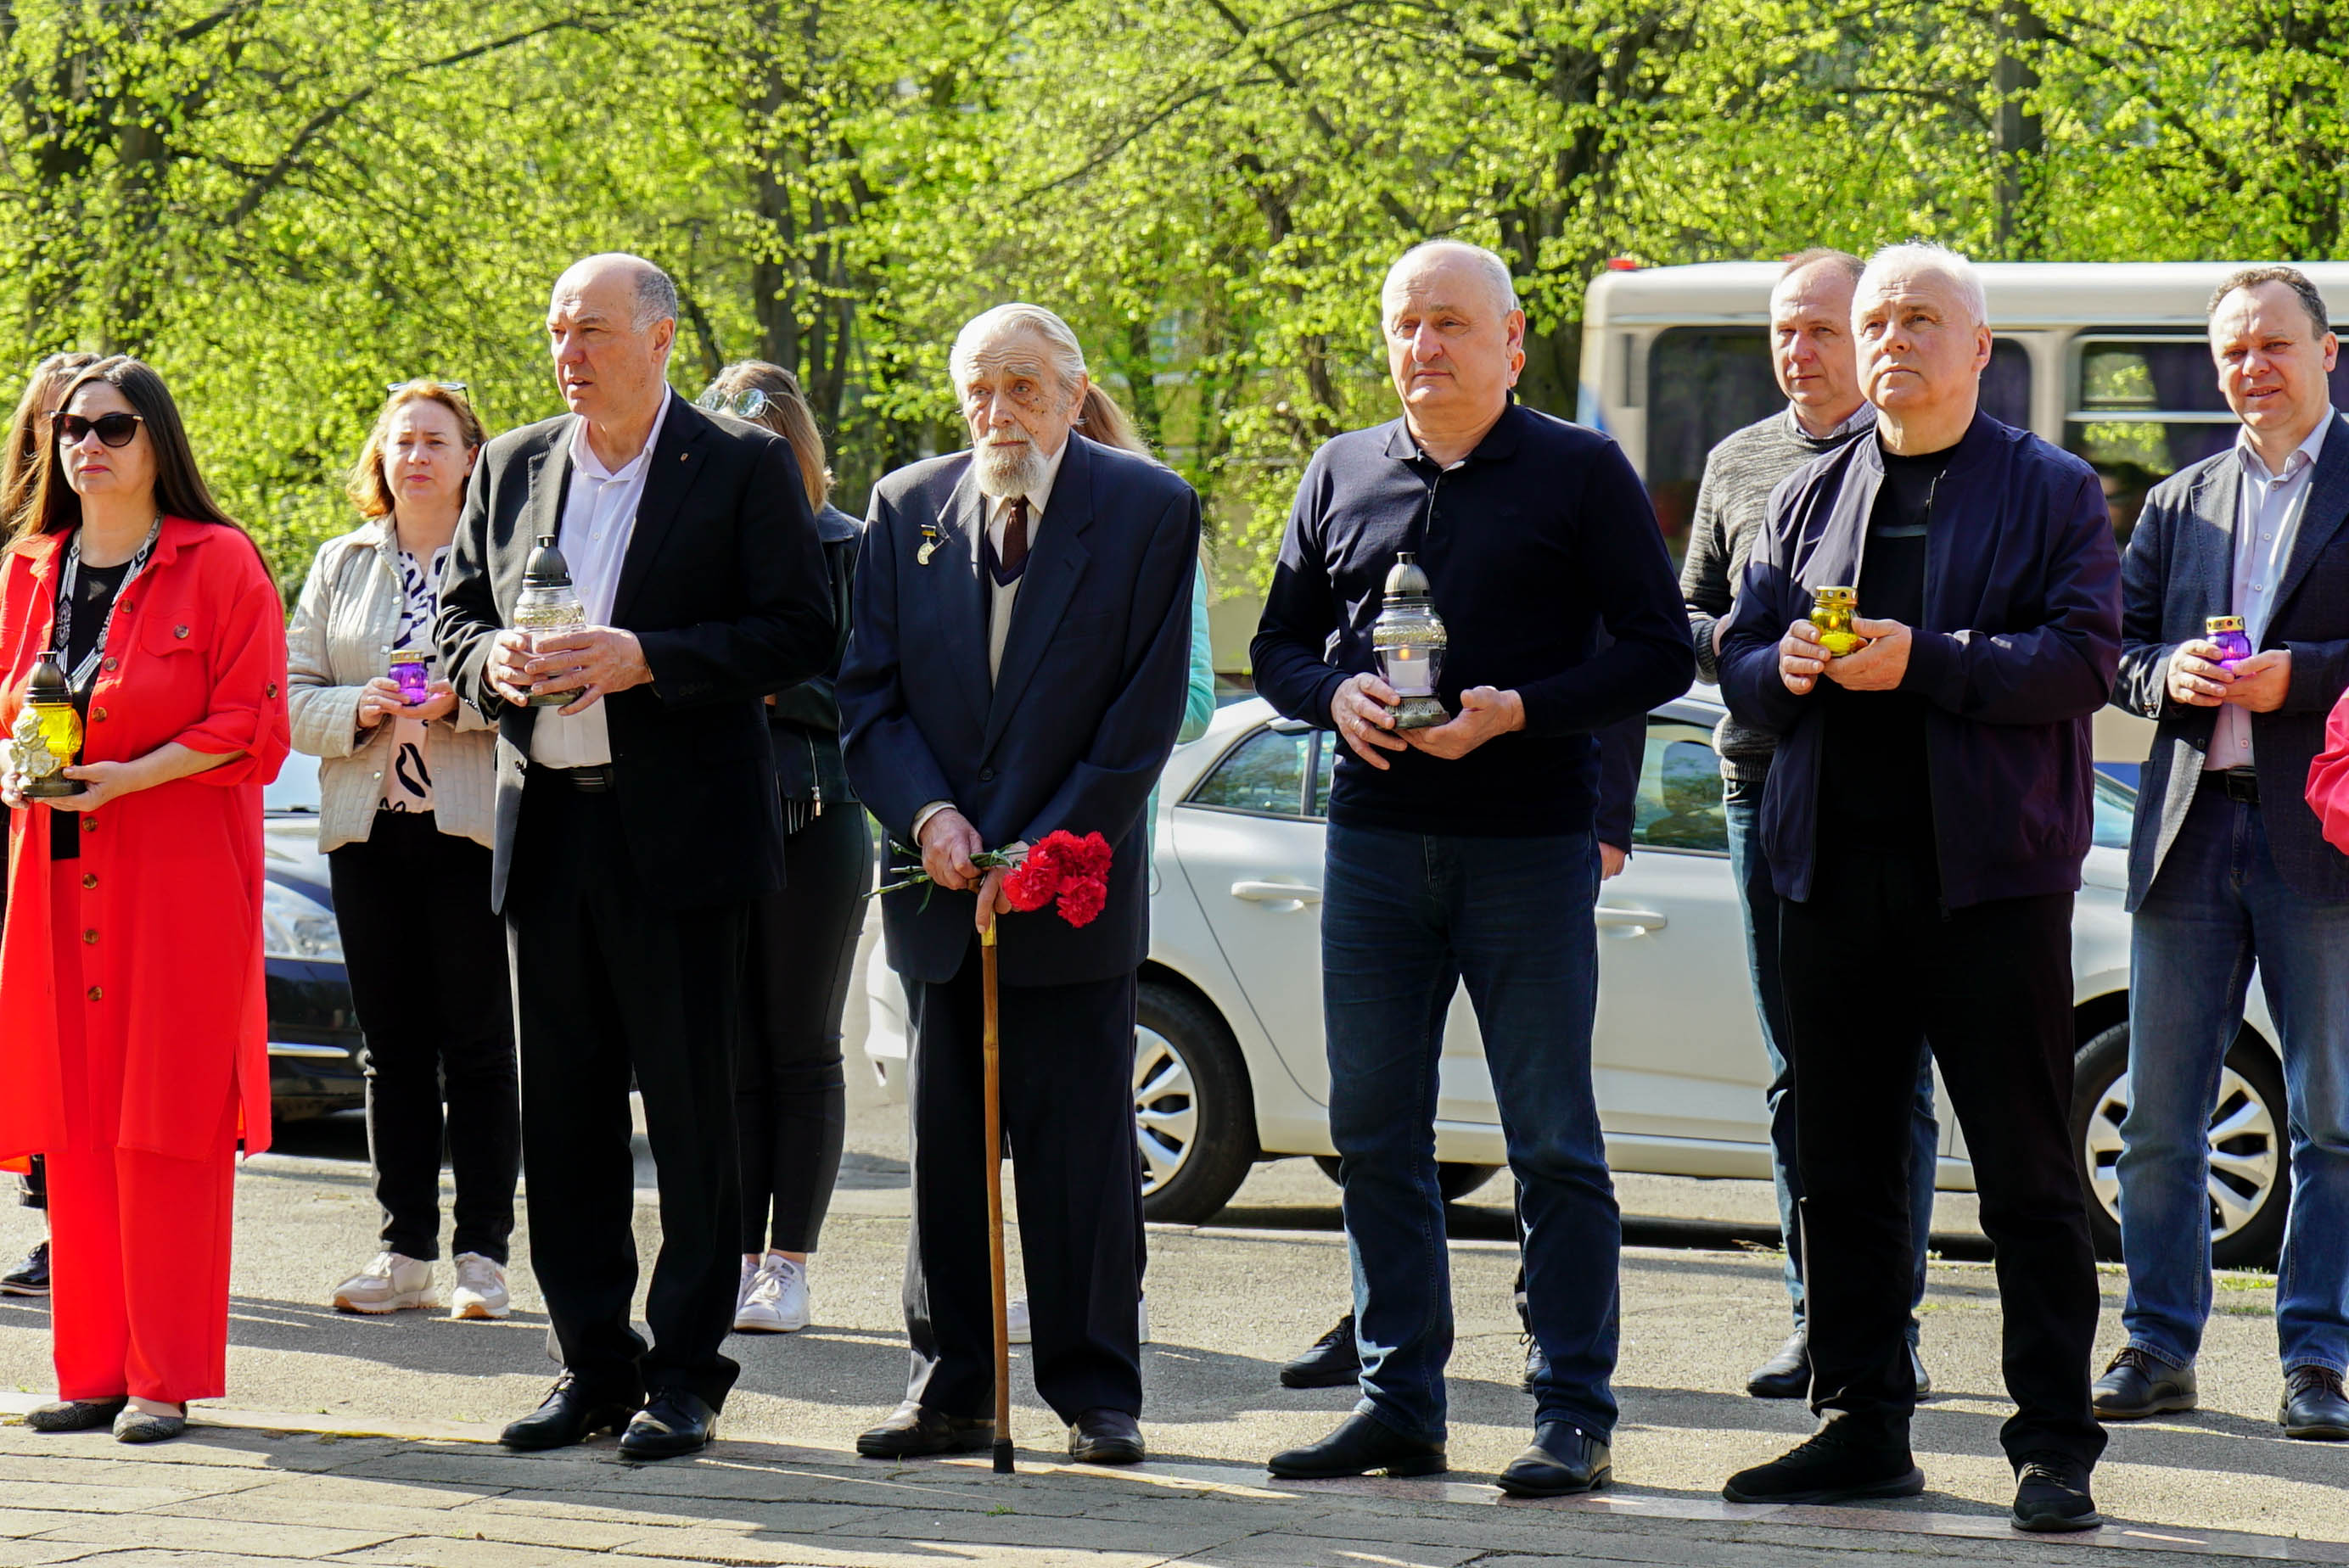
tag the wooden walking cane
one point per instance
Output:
(992, 1048)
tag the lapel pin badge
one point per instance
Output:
(930, 544)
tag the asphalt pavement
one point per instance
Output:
(1227, 1304)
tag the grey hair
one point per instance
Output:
(1922, 256)
(2292, 278)
(1844, 262)
(656, 295)
(1496, 270)
(1064, 354)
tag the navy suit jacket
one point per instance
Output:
(2179, 571)
(1078, 723)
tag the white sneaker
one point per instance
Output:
(1015, 1317)
(774, 1298)
(392, 1282)
(481, 1291)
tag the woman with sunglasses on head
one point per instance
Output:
(405, 816)
(28, 431)
(791, 1091)
(133, 1023)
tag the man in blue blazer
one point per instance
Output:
(1020, 655)
(2227, 865)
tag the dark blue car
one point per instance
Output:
(314, 1038)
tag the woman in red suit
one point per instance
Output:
(133, 1037)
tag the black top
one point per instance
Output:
(93, 600)
(803, 721)
(1876, 793)
(1540, 545)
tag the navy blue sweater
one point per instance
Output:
(1541, 546)
(2014, 654)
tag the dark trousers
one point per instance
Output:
(427, 956)
(1757, 896)
(790, 1094)
(607, 981)
(35, 1185)
(1067, 1107)
(1872, 960)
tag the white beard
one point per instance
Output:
(1007, 472)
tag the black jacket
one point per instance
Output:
(723, 585)
(2020, 638)
(803, 720)
(1079, 721)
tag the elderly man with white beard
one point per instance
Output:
(1020, 655)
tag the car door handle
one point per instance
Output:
(1630, 921)
(1295, 894)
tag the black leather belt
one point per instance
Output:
(586, 781)
(2236, 783)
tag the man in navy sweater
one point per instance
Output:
(1925, 820)
(1464, 851)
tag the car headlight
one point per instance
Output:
(294, 925)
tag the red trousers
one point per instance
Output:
(140, 1245)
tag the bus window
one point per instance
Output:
(2006, 384)
(2145, 405)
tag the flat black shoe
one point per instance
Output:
(1562, 1461)
(912, 1432)
(1357, 1447)
(1537, 1364)
(1917, 1369)
(672, 1423)
(1836, 1465)
(2313, 1405)
(2051, 1493)
(75, 1415)
(30, 1277)
(139, 1427)
(1105, 1438)
(571, 1414)
(1787, 1375)
(1332, 1363)
(2137, 1384)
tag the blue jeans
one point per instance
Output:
(2217, 907)
(1405, 919)
(1742, 802)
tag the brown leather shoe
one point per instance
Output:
(912, 1432)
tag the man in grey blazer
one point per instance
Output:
(2227, 865)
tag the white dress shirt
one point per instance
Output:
(599, 518)
(2267, 521)
(1001, 597)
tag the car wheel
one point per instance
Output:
(2250, 1153)
(1193, 1116)
(1454, 1178)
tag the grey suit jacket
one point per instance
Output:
(2179, 571)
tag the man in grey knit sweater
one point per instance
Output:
(1811, 355)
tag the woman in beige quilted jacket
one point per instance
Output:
(404, 819)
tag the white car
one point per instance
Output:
(1229, 1067)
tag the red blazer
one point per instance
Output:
(195, 654)
(2328, 780)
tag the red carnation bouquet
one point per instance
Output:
(1064, 869)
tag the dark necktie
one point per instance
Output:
(1015, 539)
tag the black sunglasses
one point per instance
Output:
(424, 381)
(114, 429)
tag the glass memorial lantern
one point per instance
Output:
(1831, 611)
(548, 606)
(1409, 639)
(47, 738)
(411, 673)
(2227, 631)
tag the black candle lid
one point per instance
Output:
(546, 568)
(48, 682)
(1405, 580)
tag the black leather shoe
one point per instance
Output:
(2313, 1405)
(2051, 1493)
(2136, 1386)
(1787, 1375)
(1357, 1447)
(1330, 1364)
(1537, 1364)
(572, 1413)
(30, 1277)
(912, 1432)
(673, 1422)
(1562, 1461)
(1917, 1370)
(1836, 1465)
(75, 1415)
(1105, 1438)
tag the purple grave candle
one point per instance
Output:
(408, 670)
(2227, 631)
